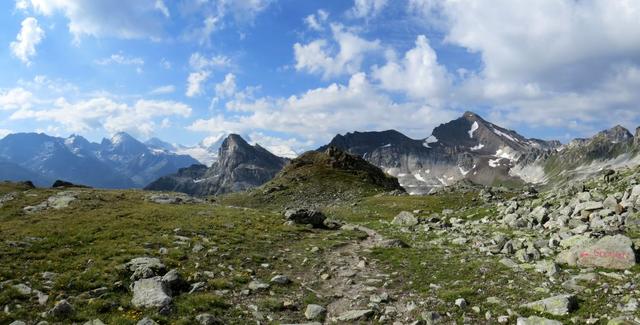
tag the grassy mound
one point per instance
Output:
(318, 179)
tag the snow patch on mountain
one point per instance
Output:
(431, 139)
(478, 147)
(474, 127)
(533, 173)
(504, 135)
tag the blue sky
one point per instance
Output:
(290, 74)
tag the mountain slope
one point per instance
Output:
(240, 166)
(14, 172)
(581, 158)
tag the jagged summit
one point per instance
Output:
(240, 166)
(616, 134)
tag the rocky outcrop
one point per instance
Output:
(240, 167)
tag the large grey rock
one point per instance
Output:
(588, 206)
(151, 293)
(355, 315)
(613, 252)
(535, 320)
(405, 219)
(556, 305)
(257, 285)
(149, 262)
(61, 309)
(314, 312)
(306, 217)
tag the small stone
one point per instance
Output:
(354, 315)
(383, 297)
(257, 285)
(23, 289)
(557, 305)
(460, 302)
(315, 312)
(208, 319)
(503, 319)
(280, 279)
(94, 322)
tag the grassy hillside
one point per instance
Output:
(318, 179)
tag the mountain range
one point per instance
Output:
(467, 148)
(119, 162)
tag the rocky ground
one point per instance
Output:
(466, 256)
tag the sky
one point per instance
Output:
(291, 74)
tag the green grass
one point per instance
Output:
(87, 242)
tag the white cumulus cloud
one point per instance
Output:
(15, 98)
(368, 8)
(321, 57)
(418, 74)
(30, 35)
(195, 81)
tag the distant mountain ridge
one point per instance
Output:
(240, 166)
(466, 148)
(119, 162)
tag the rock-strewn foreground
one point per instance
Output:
(464, 255)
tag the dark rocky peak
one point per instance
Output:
(637, 136)
(234, 142)
(470, 132)
(235, 150)
(616, 134)
(359, 143)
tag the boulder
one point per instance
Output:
(405, 219)
(613, 252)
(557, 305)
(61, 309)
(314, 312)
(306, 217)
(175, 282)
(588, 206)
(151, 293)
